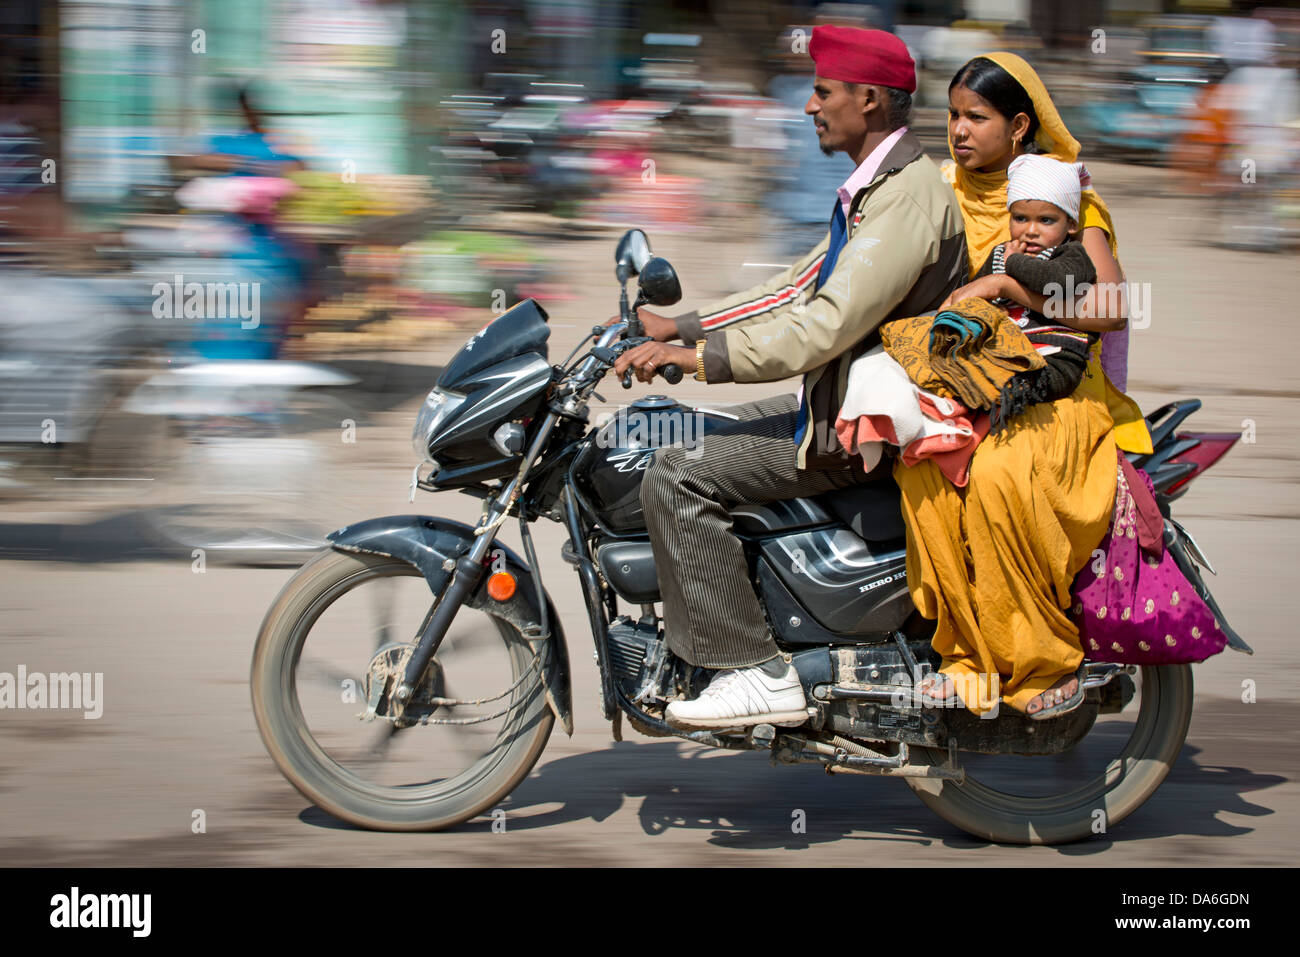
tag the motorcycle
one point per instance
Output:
(505, 425)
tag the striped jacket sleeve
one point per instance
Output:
(878, 267)
(781, 290)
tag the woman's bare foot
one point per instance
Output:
(1061, 698)
(937, 689)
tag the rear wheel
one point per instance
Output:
(340, 617)
(1107, 776)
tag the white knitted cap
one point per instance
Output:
(1031, 176)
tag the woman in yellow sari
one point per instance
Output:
(993, 563)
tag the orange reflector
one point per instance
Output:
(501, 586)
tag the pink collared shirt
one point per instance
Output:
(867, 170)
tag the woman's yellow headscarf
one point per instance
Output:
(983, 196)
(983, 200)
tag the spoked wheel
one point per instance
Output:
(341, 623)
(1082, 792)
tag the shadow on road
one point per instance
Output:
(121, 537)
(739, 801)
(142, 535)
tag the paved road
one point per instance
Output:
(84, 590)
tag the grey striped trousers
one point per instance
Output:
(712, 618)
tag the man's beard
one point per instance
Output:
(821, 144)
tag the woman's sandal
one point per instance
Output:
(1060, 704)
(930, 683)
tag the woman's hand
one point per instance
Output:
(646, 358)
(985, 287)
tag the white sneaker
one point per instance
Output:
(741, 697)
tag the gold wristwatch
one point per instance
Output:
(699, 359)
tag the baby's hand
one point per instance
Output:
(1014, 246)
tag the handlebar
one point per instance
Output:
(671, 372)
(610, 342)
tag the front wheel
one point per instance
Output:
(1080, 793)
(342, 619)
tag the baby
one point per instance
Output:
(1046, 257)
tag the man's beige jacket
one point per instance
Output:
(905, 252)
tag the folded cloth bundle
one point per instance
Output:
(952, 332)
(971, 356)
(882, 406)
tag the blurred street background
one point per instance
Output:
(240, 238)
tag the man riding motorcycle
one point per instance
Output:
(896, 247)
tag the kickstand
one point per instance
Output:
(616, 725)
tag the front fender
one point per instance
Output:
(426, 542)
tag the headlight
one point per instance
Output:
(439, 406)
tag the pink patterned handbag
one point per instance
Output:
(1132, 604)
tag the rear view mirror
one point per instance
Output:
(659, 284)
(631, 255)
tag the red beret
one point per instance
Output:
(853, 55)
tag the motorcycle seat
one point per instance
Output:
(872, 510)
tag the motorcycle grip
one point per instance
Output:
(671, 372)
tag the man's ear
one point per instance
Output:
(873, 99)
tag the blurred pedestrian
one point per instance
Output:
(244, 197)
(247, 151)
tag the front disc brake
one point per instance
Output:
(385, 673)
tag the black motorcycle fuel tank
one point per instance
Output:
(609, 470)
